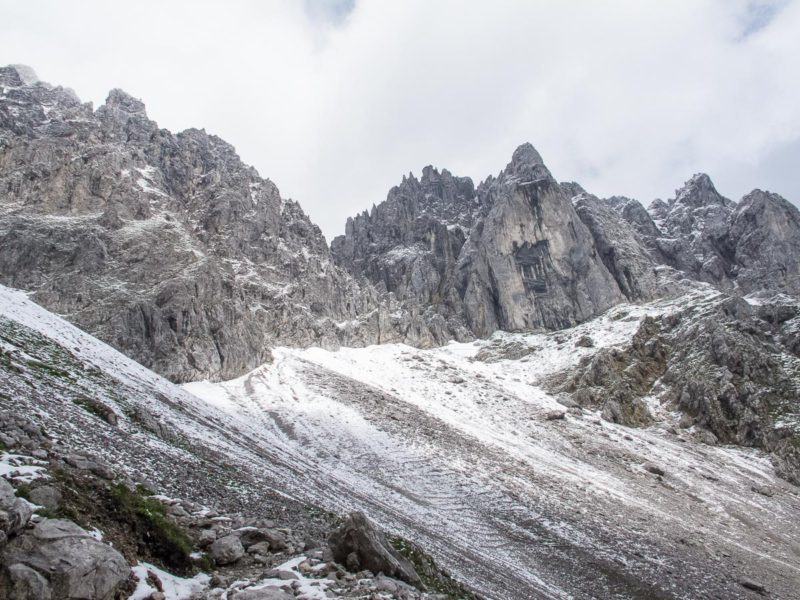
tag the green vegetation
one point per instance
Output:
(435, 579)
(164, 540)
(24, 491)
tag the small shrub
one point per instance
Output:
(205, 563)
(163, 539)
(24, 491)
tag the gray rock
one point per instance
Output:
(7, 495)
(19, 515)
(78, 461)
(175, 252)
(281, 574)
(265, 593)
(25, 583)
(206, 538)
(226, 550)
(176, 510)
(654, 469)
(253, 535)
(753, 585)
(261, 548)
(47, 496)
(554, 415)
(74, 564)
(359, 536)
(707, 437)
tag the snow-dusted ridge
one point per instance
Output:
(455, 448)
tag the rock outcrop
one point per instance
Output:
(723, 363)
(362, 544)
(745, 247)
(58, 560)
(511, 255)
(168, 246)
(516, 254)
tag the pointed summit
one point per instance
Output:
(527, 164)
(699, 191)
(526, 154)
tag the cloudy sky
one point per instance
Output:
(335, 100)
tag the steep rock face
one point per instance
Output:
(512, 254)
(765, 236)
(409, 244)
(747, 247)
(168, 246)
(529, 261)
(694, 228)
(621, 245)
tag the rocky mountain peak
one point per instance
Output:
(699, 191)
(526, 164)
(120, 100)
(180, 254)
(125, 115)
(526, 154)
(17, 75)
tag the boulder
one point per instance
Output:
(207, 537)
(226, 550)
(261, 548)
(19, 515)
(359, 536)
(47, 496)
(7, 495)
(26, 584)
(265, 593)
(59, 561)
(255, 535)
(654, 469)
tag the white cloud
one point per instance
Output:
(334, 101)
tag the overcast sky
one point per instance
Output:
(336, 100)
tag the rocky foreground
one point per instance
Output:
(45, 553)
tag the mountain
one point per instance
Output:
(522, 251)
(517, 389)
(511, 255)
(167, 246)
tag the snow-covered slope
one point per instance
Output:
(460, 448)
(463, 450)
